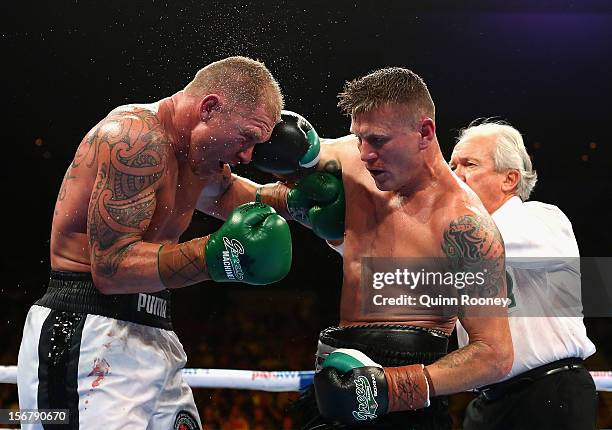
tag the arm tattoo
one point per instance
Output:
(333, 167)
(473, 244)
(459, 357)
(62, 192)
(123, 200)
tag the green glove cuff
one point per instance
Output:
(345, 360)
(313, 154)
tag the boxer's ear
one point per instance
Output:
(210, 104)
(427, 130)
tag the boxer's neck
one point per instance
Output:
(178, 119)
(181, 115)
(432, 170)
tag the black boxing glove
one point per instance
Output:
(352, 389)
(294, 144)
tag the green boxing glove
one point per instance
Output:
(252, 246)
(317, 201)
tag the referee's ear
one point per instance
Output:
(511, 181)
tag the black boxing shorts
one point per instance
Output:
(388, 345)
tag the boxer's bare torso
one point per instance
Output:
(124, 158)
(385, 224)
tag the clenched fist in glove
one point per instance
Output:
(294, 144)
(252, 246)
(316, 201)
(351, 388)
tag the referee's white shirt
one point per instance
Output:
(542, 259)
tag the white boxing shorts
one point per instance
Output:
(112, 361)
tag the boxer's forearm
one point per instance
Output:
(142, 267)
(472, 366)
(236, 191)
(126, 268)
(228, 191)
(241, 190)
(275, 195)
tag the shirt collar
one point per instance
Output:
(510, 204)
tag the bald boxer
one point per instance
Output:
(548, 386)
(100, 343)
(402, 200)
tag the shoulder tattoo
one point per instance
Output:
(123, 200)
(473, 244)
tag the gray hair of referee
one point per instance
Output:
(509, 153)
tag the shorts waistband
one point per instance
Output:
(389, 345)
(75, 292)
(500, 389)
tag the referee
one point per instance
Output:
(548, 386)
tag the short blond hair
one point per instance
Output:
(242, 80)
(392, 85)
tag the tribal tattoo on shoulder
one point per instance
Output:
(131, 151)
(473, 244)
(67, 177)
